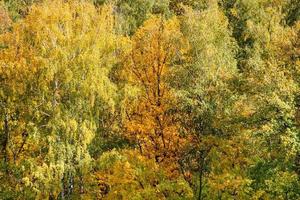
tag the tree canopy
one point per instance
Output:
(150, 99)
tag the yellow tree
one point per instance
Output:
(152, 120)
(128, 175)
(53, 71)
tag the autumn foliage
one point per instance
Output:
(152, 122)
(146, 99)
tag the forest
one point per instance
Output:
(150, 99)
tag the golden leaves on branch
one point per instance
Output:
(153, 122)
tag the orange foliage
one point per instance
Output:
(152, 122)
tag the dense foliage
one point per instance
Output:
(150, 99)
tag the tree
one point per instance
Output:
(54, 70)
(216, 156)
(128, 175)
(151, 120)
(146, 99)
(131, 14)
(269, 84)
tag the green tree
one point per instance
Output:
(216, 155)
(269, 83)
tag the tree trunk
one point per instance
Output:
(81, 185)
(201, 179)
(6, 138)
